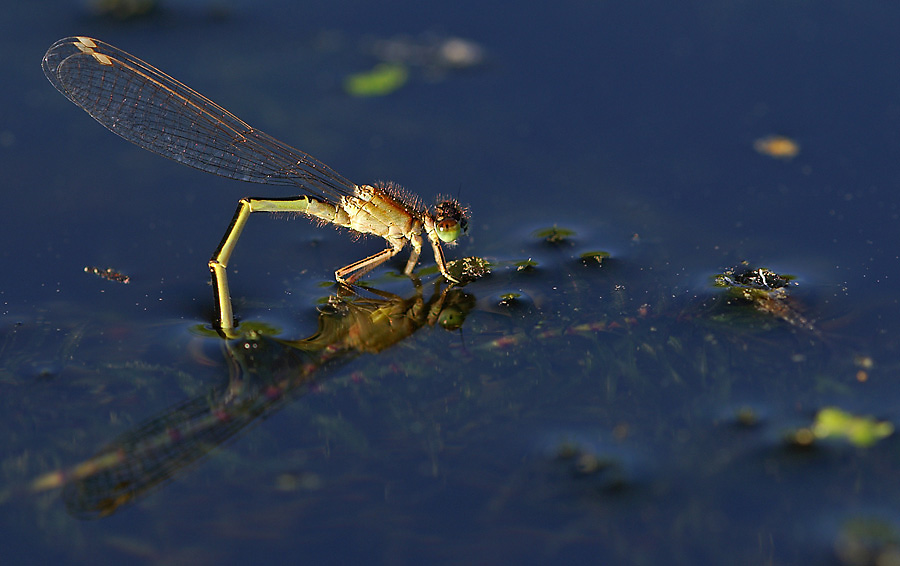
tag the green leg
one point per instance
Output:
(218, 264)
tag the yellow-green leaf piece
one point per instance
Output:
(384, 79)
(832, 422)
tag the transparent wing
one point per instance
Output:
(151, 109)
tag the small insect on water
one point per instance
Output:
(151, 109)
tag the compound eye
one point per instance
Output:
(448, 230)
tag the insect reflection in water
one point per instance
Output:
(263, 373)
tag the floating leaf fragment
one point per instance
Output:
(525, 264)
(832, 422)
(594, 258)
(383, 79)
(554, 234)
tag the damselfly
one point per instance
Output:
(151, 109)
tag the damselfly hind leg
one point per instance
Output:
(218, 264)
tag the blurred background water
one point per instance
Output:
(601, 414)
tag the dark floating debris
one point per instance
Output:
(768, 292)
(469, 268)
(509, 298)
(606, 471)
(45, 370)
(109, 274)
(761, 279)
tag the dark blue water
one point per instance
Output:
(593, 417)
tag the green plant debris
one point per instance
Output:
(382, 80)
(594, 258)
(554, 234)
(832, 422)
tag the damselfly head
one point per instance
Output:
(450, 218)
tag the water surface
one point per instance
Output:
(619, 411)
